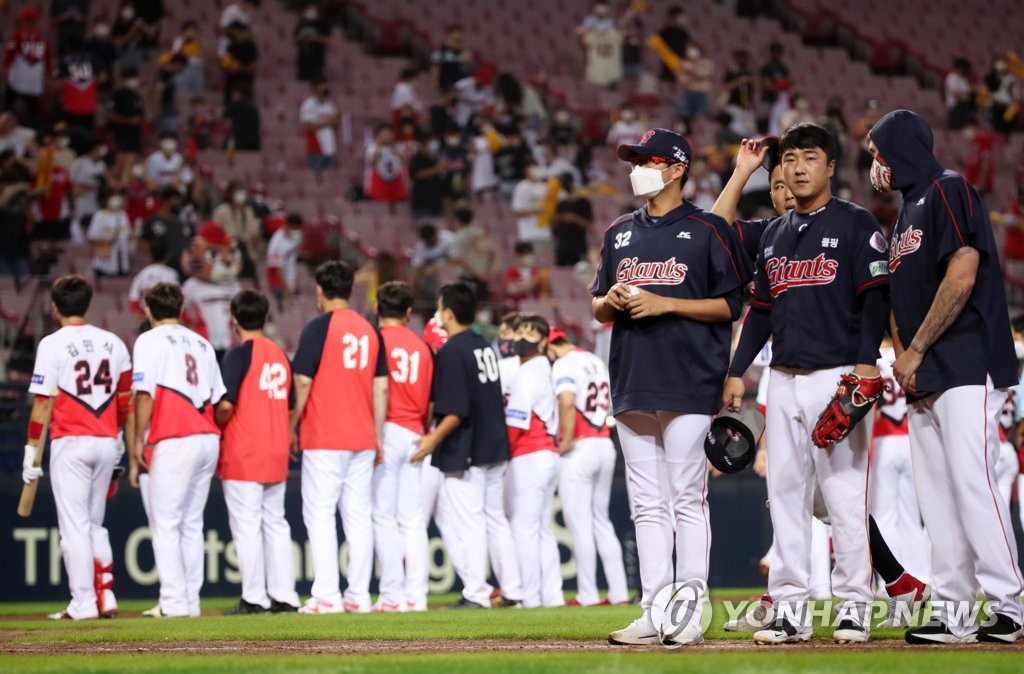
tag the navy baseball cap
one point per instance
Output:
(773, 158)
(658, 144)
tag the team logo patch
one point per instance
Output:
(37, 378)
(878, 268)
(784, 274)
(877, 242)
(680, 155)
(521, 415)
(636, 273)
(138, 376)
(904, 244)
(646, 137)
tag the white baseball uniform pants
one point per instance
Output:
(668, 472)
(477, 500)
(1007, 470)
(585, 485)
(795, 467)
(892, 498)
(435, 504)
(80, 471)
(263, 541)
(821, 559)
(179, 483)
(399, 532)
(954, 442)
(339, 481)
(534, 478)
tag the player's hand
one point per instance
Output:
(905, 369)
(379, 456)
(732, 392)
(618, 296)
(140, 452)
(293, 445)
(565, 446)
(714, 472)
(761, 462)
(133, 475)
(29, 471)
(750, 156)
(425, 447)
(644, 304)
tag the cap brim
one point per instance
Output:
(628, 152)
(771, 158)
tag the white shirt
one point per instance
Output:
(531, 393)
(315, 111)
(20, 139)
(212, 302)
(507, 369)
(404, 93)
(173, 357)
(86, 172)
(956, 88)
(110, 227)
(529, 196)
(442, 250)
(482, 176)
(625, 133)
(148, 277)
(585, 376)
(283, 253)
(162, 169)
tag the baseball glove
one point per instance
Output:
(852, 401)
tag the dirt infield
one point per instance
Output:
(9, 645)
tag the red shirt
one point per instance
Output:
(434, 335)
(980, 150)
(254, 445)
(516, 274)
(410, 373)
(51, 205)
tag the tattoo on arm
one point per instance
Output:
(949, 301)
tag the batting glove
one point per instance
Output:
(30, 471)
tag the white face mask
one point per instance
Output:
(295, 234)
(138, 171)
(115, 203)
(528, 260)
(238, 197)
(169, 146)
(63, 142)
(881, 176)
(647, 182)
(437, 319)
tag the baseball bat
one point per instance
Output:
(28, 492)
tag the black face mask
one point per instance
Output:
(525, 347)
(506, 347)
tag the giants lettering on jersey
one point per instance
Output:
(904, 244)
(784, 274)
(635, 273)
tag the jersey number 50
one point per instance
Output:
(487, 362)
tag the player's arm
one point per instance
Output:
(875, 313)
(605, 306)
(567, 421)
(303, 384)
(894, 333)
(143, 414)
(380, 412)
(233, 369)
(646, 304)
(757, 328)
(748, 160)
(429, 443)
(39, 421)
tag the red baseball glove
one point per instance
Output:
(852, 401)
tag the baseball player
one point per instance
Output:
(177, 384)
(671, 280)
(399, 530)
(821, 295)
(82, 387)
(208, 301)
(588, 464)
(955, 359)
(253, 465)
(469, 443)
(341, 400)
(532, 419)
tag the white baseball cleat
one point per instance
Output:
(640, 632)
(780, 632)
(388, 607)
(758, 617)
(906, 597)
(59, 615)
(154, 612)
(314, 606)
(108, 604)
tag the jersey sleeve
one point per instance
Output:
(452, 385)
(563, 377)
(217, 388)
(45, 371)
(233, 370)
(749, 233)
(519, 407)
(311, 346)
(144, 378)
(729, 265)
(603, 279)
(760, 291)
(382, 356)
(957, 216)
(870, 254)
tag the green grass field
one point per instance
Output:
(496, 642)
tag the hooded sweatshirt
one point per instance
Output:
(941, 213)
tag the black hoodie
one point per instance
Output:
(942, 212)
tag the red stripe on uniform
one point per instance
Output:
(727, 251)
(970, 202)
(963, 242)
(872, 282)
(995, 502)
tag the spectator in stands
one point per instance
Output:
(64, 152)
(475, 252)
(376, 272)
(283, 260)
(18, 139)
(427, 178)
(404, 95)
(124, 122)
(695, 78)
(166, 228)
(200, 125)
(799, 111)
(102, 48)
(166, 166)
(859, 132)
(108, 234)
(474, 95)
(510, 161)
(1004, 92)
(452, 61)
(979, 162)
(157, 271)
(385, 169)
(632, 28)
(554, 163)
(958, 94)
(16, 196)
(140, 202)
(775, 79)
(432, 250)
(443, 115)
(244, 116)
(319, 117)
(574, 216)
(564, 127)
(129, 33)
(239, 222)
(483, 179)
(192, 79)
(27, 62)
(172, 64)
(78, 76)
(603, 44)
(676, 37)
(835, 123)
(310, 36)
(702, 184)
(53, 186)
(152, 14)
(739, 92)
(243, 12)
(524, 279)
(455, 161)
(88, 175)
(527, 204)
(202, 194)
(68, 18)
(599, 18)
(240, 60)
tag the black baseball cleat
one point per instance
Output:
(245, 608)
(282, 607)
(936, 632)
(849, 632)
(1003, 631)
(505, 602)
(462, 603)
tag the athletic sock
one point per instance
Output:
(881, 556)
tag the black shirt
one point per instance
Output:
(426, 193)
(246, 54)
(467, 385)
(510, 162)
(743, 94)
(677, 39)
(773, 71)
(245, 124)
(570, 238)
(173, 232)
(128, 103)
(309, 54)
(452, 64)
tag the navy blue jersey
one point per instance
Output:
(668, 362)
(750, 233)
(942, 213)
(467, 384)
(810, 271)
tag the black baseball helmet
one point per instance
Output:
(731, 442)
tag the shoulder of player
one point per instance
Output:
(947, 186)
(618, 223)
